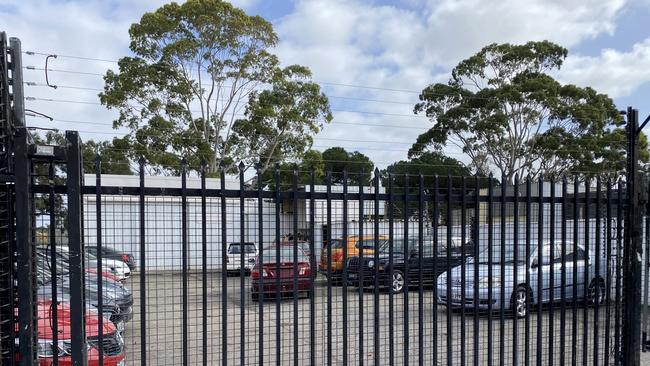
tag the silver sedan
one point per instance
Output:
(502, 279)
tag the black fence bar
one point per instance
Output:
(345, 267)
(619, 272)
(278, 313)
(328, 183)
(224, 275)
(76, 247)
(420, 271)
(184, 249)
(515, 259)
(143, 257)
(502, 274)
(242, 268)
(407, 280)
(260, 267)
(585, 285)
(563, 282)
(296, 347)
(597, 280)
(436, 247)
(391, 272)
(551, 276)
(449, 223)
(463, 273)
(574, 323)
(540, 273)
(53, 268)
(476, 242)
(312, 268)
(376, 323)
(204, 269)
(361, 249)
(608, 279)
(100, 254)
(490, 251)
(529, 208)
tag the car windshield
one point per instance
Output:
(286, 254)
(508, 254)
(236, 248)
(369, 243)
(398, 246)
(335, 244)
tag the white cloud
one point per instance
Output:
(616, 73)
(362, 43)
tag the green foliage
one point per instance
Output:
(405, 175)
(312, 160)
(507, 113)
(281, 121)
(194, 68)
(358, 166)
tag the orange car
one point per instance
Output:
(354, 245)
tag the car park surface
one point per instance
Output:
(164, 322)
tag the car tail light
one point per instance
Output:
(227, 259)
(255, 273)
(337, 256)
(303, 270)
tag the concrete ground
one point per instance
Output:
(281, 320)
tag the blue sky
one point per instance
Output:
(373, 45)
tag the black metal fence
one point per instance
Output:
(433, 270)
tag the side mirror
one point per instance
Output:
(534, 263)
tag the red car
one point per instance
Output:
(112, 339)
(283, 277)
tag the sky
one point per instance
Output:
(371, 57)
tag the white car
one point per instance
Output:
(117, 268)
(234, 257)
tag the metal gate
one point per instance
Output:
(395, 269)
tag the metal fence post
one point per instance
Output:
(24, 251)
(633, 250)
(75, 236)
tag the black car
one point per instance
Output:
(110, 253)
(431, 265)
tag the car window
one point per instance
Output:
(286, 254)
(236, 248)
(335, 244)
(369, 243)
(578, 255)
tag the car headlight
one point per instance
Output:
(46, 347)
(371, 264)
(484, 282)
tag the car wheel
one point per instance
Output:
(255, 297)
(398, 281)
(596, 292)
(519, 301)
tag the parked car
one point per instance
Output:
(113, 344)
(517, 293)
(400, 277)
(111, 253)
(116, 301)
(234, 257)
(280, 273)
(354, 244)
(116, 268)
